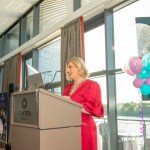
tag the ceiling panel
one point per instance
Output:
(11, 10)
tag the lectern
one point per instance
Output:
(42, 120)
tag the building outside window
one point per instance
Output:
(49, 63)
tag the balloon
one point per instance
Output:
(143, 74)
(138, 82)
(146, 61)
(135, 64)
(127, 70)
(145, 89)
(147, 81)
(143, 38)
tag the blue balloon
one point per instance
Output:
(146, 61)
(144, 73)
(145, 89)
(149, 74)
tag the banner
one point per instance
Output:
(3, 119)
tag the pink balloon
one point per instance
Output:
(131, 58)
(127, 70)
(135, 64)
(147, 81)
(137, 82)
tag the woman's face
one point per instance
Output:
(72, 71)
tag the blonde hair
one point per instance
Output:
(79, 63)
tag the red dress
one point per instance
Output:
(89, 95)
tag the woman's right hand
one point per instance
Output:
(67, 97)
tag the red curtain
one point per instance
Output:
(82, 35)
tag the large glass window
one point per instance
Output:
(49, 62)
(95, 62)
(95, 56)
(29, 26)
(126, 31)
(12, 39)
(102, 83)
(95, 49)
(27, 59)
(130, 40)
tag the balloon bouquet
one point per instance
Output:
(140, 68)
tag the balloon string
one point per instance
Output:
(141, 114)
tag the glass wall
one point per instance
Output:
(29, 26)
(27, 59)
(49, 62)
(95, 49)
(95, 57)
(12, 39)
(131, 30)
(96, 64)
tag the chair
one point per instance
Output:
(103, 129)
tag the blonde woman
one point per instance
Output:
(87, 93)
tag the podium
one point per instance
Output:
(41, 120)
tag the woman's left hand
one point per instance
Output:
(84, 111)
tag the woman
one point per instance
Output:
(87, 93)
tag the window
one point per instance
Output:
(12, 39)
(27, 59)
(125, 27)
(127, 39)
(29, 26)
(95, 59)
(102, 83)
(49, 62)
(95, 53)
(95, 49)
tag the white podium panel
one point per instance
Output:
(24, 138)
(41, 120)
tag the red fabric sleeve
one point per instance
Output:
(92, 100)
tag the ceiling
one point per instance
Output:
(12, 10)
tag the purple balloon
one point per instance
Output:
(137, 82)
(135, 64)
(147, 81)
